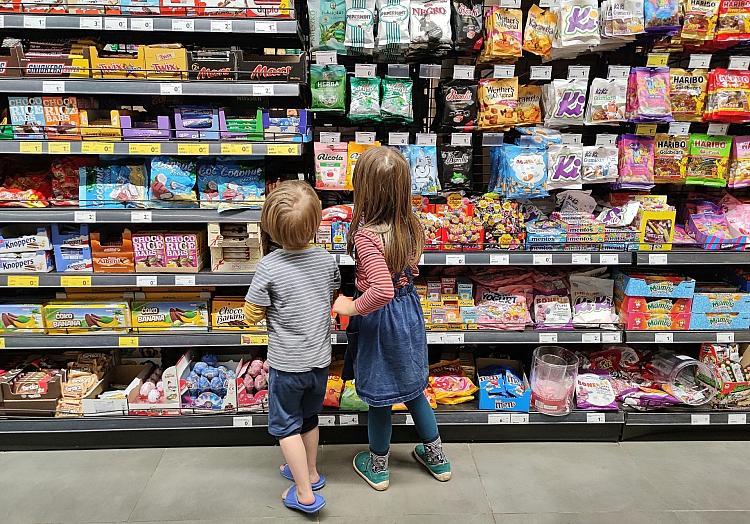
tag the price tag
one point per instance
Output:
(334, 339)
(430, 70)
(513, 4)
(498, 418)
(142, 24)
(90, 22)
(140, 217)
(664, 338)
(461, 139)
(225, 26)
(463, 72)
(519, 418)
(409, 421)
(348, 420)
(609, 259)
(242, 422)
(398, 70)
(699, 61)
(326, 420)
(571, 139)
(58, 148)
(606, 140)
(426, 139)
(2, 343)
(146, 280)
(548, 338)
(455, 260)
(492, 139)
(616, 71)
(364, 137)
(725, 338)
(611, 337)
(266, 27)
(398, 139)
(542, 259)
(236, 149)
(75, 281)
(23, 281)
(144, 148)
(34, 22)
(282, 149)
(53, 87)
(679, 128)
(718, 129)
(263, 90)
(453, 338)
(346, 260)
(254, 340)
(540, 73)
(192, 149)
(657, 259)
(578, 72)
(434, 338)
(645, 129)
(503, 71)
(128, 342)
(737, 418)
(97, 148)
(700, 419)
(325, 57)
(86, 217)
(421, 260)
(591, 338)
(594, 418)
(30, 147)
(581, 259)
(739, 62)
(115, 24)
(170, 88)
(364, 70)
(182, 24)
(184, 280)
(499, 259)
(657, 59)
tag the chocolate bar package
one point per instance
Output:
(212, 64)
(280, 68)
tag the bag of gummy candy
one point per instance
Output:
(525, 171)
(670, 158)
(467, 23)
(327, 24)
(173, 182)
(328, 86)
(648, 95)
(350, 401)
(393, 23)
(231, 184)
(708, 160)
(365, 99)
(330, 166)
(739, 167)
(699, 22)
(424, 171)
(687, 92)
(397, 100)
(662, 15)
(360, 24)
(636, 166)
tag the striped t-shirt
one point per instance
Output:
(296, 288)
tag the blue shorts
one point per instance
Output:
(294, 400)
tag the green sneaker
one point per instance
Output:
(441, 471)
(363, 466)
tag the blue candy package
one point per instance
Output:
(424, 170)
(525, 171)
(112, 186)
(173, 182)
(231, 184)
(661, 15)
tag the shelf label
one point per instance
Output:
(679, 128)
(492, 139)
(583, 259)
(503, 71)
(265, 27)
(499, 259)
(225, 26)
(75, 281)
(409, 421)
(254, 340)
(700, 419)
(737, 418)
(455, 260)
(606, 140)
(609, 259)
(421, 260)
(85, 217)
(540, 73)
(519, 418)
(97, 148)
(513, 4)
(49, 86)
(263, 90)
(242, 422)
(591, 338)
(23, 281)
(142, 24)
(326, 420)
(594, 418)
(192, 149)
(463, 72)
(90, 22)
(699, 61)
(170, 88)
(145, 148)
(34, 22)
(184, 280)
(718, 129)
(58, 148)
(334, 339)
(2, 343)
(725, 338)
(30, 147)
(426, 139)
(128, 342)
(364, 70)
(236, 149)
(645, 129)
(571, 139)
(346, 419)
(611, 337)
(657, 59)
(664, 338)
(398, 139)
(115, 24)
(179, 24)
(461, 139)
(325, 57)
(498, 418)
(280, 150)
(657, 259)
(548, 338)
(146, 280)
(399, 70)
(739, 62)
(364, 137)
(140, 217)
(542, 259)
(616, 71)
(453, 338)
(346, 260)
(434, 338)
(578, 72)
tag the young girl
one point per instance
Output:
(387, 339)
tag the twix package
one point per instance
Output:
(540, 30)
(498, 102)
(687, 91)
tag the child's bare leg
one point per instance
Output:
(310, 440)
(294, 452)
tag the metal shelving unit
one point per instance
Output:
(63, 215)
(150, 148)
(85, 280)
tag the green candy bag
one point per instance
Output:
(327, 24)
(365, 99)
(350, 401)
(328, 86)
(397, 100)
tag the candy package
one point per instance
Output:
(328, 86)
(498, 103)
(661, 15)
(525, 172)
(627, 17)
(564, 102)
(594, 391)
(648, 95)
(327, 24)
(396, 104)
(739, 166)
(430, 24)
(502, 221)
(228, 184)
(552, 312)
(734, 21)
(350, 401)
(330, 166)
(65, 175)
(577, 23)
(728, 96)
(424, 169)
(607, 99)
(463, 229)
(334, 385)
(365, 99)
(456, 168)
(540, 31)
(502, 34)
(670, 158)
(113, 186)
(393, 23)
(593, 304)
(173, 182)
(636, 166)
(360, 24)
(457, 100)
(708, 160)
(687, 91)
(700, 18)
(353, 152)
(467, 23)
(530, 104)
(450, 384)
(599, 164)
(564, 164)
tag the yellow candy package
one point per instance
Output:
(450, 383)
(353, 153)
(700, 19)
(540, 30)
(687, 90)
(670, 158)
(530, 104)
(503, 34)
(498, 102)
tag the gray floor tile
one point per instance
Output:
(714, 517)
(587, 518)
(679, 471)
(412, 519)
(62, 486)
(247, 520)
(564, 477)
(412, 491)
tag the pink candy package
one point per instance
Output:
(636, 166)
(739, 164)
(594, 391)
(648, 95)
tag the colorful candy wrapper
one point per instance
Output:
(397, 100)
(627, 17)
(670, 158)
(577, 24)
(524, 172)
(700, 18)
(393, 23)
(365, 99)
(636, 165)
(330, 166)
(552, 312)
(540, 31)
(530, 104)
(599, 164)
(328, 86)
(708, 160)
(503, 34)
(648, 95)
(592, 298)
(498, 103)
(327, 24)
(687, 91)
(662, 15)
(112, 186)
(457, 100)
(607, 100)
(467, 23)
(353, 152)
(360, 24)
(173, 182)
(430, 24)
(456, 168)
(564, 102)
(734, 21)
(739, 167)
(594, 391)
(728, 96)
(424, 170)
(564, 167)
(228, 184)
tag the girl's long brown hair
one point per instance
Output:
(382, 204)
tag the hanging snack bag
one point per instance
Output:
(498, 102)
(360, 24)
(467, 23)
(578, 23)
(662, 15)
(424, 170)
(173, 182)
(397, 100)
(458, 102)
(353, 153)
(430, 23)
(113, 186)
(728, 96)
(540, 31)
(607, 100)
(327, 24)
(593, 304)
(734, 21)
(564, 166)
(636, 166)
(456, 168)
(564, 102)
(525, 171)
(687, 91)
(670, 158)
(330, 166)
(599, 164)
(627, 18)
(328, 86)
(739, 166)
(503, 34)
(365, 99)
(708, 160)
(393, 23)
(648, 95)
(530, 104)
(700, 18)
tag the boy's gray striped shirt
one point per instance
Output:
(296, 287)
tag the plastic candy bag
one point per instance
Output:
(607, 101)
(739, 167)
(503, 34)
(353, 152)
(595, 392)
(540, 31)
(670, 158)
(397, 99)
(564, 166)
(552, 312)
(393, 23)
(327, 24)
(708, 160)
(636, 167)
(734, 21)
(648, 95)
(457, 100)
(350, 401)
(525, 172)
(687, 91)
(330, 166)
(456, 168)
(577, 23)
(231, 184)
(498, 102)
(627, 17)
(467, 23)
(424, 171)
(700, 19)
(450, 384)
(599, 164)
(173, 182)
(593, 304)
(430, 24)
(564, 102)
(328, 86)
(728, 96)
(113, 186)
(530, 104)
(360, 24)
(661, 15)
(365, 99)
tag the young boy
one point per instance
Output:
(293, 288)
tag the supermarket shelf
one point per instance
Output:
(148, 87)
(62, 215)
(84, 280)
(689, 418)
(669, 337)
(261, 26)
(686, 424)
(146, 148)
(692, 257)
(514, 258)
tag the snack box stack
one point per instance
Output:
(234, 248)
(112, 252)
(731, 366)
(25, 249)
(545, 235)
(655, 222)
(650, 302)
(208, 384)
(720, 306)
(447, 303)
(165, 312)
(503, 385)
(84, 379)
(583, 232)
(72, 248)
(169, 252)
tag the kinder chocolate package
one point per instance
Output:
(458, 102)
(330, 166)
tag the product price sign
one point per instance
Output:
(657, 59)
(540, 73)
(453, 338)
(170, 88)
(23, 281)
(645, 129)
(503, 71)
(434, 338)
(348, 420)
(499, 259)
(2, 343)
(193, 149)
(725, 338)
(463, 72)
(718, 129)
(184, 25)
(611, 337)
(184, 280)
(225, 26)
(409, 420)
(58, 148)
(364, 137)
(455, 260)
(142, 24)
(53, 86)
(699, 61)
(616, 71)
(519, 418)
(657, 259)
(679, 128)
(512, 4)
(426, 139)
(282, 149)
(34, 22)
(606, 139)
(498, 418)
(146, 281)
(326, 420)
(242, 422)
(461, 139)
(595, 418)
(115, 24)
(700, 419)
(90, 22)
(346, 260)
(664, 338)
(141, 217)
(364, 70)
(97, 148)
(739, 62)
(236, 149)
(398, 70)
(571, 139)
(264, 27)
(591, 338)
(30, 147)
(610, 259)
(334, 339)
(145, 148)
(254, 340)
(128, 342)
(84, 217)
(542, 259)
(398, 139)
(737, 418)
(548, 338)
(580, 259)
(263, 90)
(75, 281)
(325, 57)
(578, 72)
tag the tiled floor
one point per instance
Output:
(540, 483)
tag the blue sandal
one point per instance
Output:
(287, 474)
(291, 502)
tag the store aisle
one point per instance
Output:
(539, 483)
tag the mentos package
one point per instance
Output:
(112, 186)
(173, 182)
(238, 184)
(654, 285)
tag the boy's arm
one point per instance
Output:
(253, 313)
(258, 297)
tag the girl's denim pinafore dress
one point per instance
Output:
(388, 349)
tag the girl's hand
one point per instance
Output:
(344, 306)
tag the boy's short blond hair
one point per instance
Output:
(291, 214)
